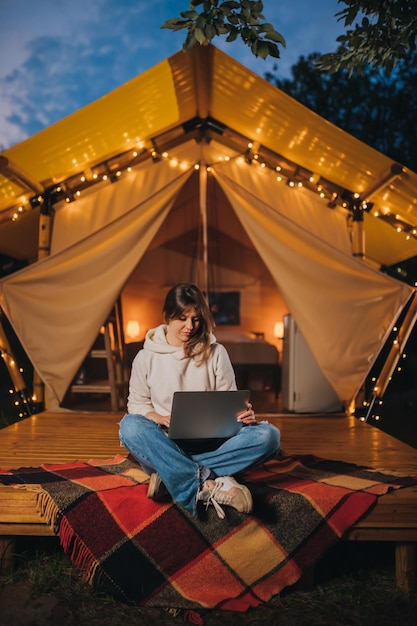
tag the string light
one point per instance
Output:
(254, 154)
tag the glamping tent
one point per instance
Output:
(201, 170)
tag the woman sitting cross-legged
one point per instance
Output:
(182, 355)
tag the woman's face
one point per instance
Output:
(181, 328)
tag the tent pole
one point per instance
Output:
(203, 214)
(44, 246)
(358, 233)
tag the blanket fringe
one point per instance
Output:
(47, 509)
(79, 553)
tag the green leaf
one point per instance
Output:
(210, 32)
(274, 36)
(258, 6)
(189, 42)
(232, 36)
(201, 21)
(200, 35)
(191, 15)
(175, 24)
(230, 5)
(262, 50)
(221, 29)
(267, 27)
(233, 19)
(273, 50)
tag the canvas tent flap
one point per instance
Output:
(96, 210)
(344, 308)
(57, 306)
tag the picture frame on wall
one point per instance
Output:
(225, 307)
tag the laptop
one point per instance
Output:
(203, 420)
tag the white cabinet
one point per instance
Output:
(304, 387)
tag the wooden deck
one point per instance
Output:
(57, 437)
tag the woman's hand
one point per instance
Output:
(247, 417)
(162, 420)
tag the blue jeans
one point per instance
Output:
(183, 474)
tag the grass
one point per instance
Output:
(354, 586)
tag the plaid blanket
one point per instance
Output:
(155, 553)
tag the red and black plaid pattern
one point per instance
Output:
(155, 553)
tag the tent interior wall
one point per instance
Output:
(234, 265)
(232, 185)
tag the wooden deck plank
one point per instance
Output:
(58, 437)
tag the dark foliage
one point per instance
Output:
(377, 108)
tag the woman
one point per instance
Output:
(182, 355)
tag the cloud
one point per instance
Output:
(61, 56)
(60, 73)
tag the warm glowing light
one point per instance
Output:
(132, 329)
(279, 330)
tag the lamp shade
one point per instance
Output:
(279, 330)
(132, 329)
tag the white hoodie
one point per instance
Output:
(160, 369)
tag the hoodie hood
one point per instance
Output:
(156, 341)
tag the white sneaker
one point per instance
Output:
(227, 491)
(156, 488)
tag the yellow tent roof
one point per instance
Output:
(206, 92)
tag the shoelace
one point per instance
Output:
(209, 499)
